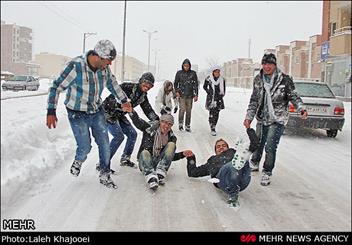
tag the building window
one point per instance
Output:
(333, 28)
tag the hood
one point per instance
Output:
(186, 61)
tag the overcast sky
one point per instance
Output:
(200, 31)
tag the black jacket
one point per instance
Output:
(112, 108)
(215, 162)
(149, 135)
(218, 98)
(186, 82)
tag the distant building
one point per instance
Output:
(51, 65)
(298, 67)
(16, 49)
(133, 67)
(283, 58)
(240, 72)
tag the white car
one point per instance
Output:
(21, 82)
(324, 110)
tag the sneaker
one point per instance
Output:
(76, 168)
(265, 179)
(152, 181)
(233, 201)
(188, 129)
(254, 166)
(161, 176)
(213, 132)
(97, 167)
(127, 162)
(106, 180)
(180, 127)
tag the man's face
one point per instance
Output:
(220, 147)
(102, 63)
(165, 127)
(268, 68)
(186, 67)
(145, 86)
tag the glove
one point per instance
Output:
(175, 110)
(165, 110)
(191, 160)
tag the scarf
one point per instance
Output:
(160, 140)
(217, 82)
(268, 84)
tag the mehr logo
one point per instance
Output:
(248, 238)
(18, 224)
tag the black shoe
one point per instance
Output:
(188, 129)
(106, 180)
(180, 128)
(153, 183)
(127, 162)
(97, 167)
(76, 168)
(161, 179)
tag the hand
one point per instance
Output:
(304, 114)
(247, 123)
(51, 121)
(187, 153)
(175, 110)
(195, 98)
(127, 107)
(178, 95)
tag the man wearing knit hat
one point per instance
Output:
(118, 124)
(157, 149)
(272, 91)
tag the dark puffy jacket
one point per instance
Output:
(215, 162)
(112, 108)
(218, 98)
(186, 82)
(149, 131)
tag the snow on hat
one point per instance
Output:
(167, 118)
(216, 67)
(105, 49)
(147, 77)
(269, 58)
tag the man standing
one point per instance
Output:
(272, 91)
(85, 78)
(186, 88)
(117, 122)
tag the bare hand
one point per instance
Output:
(187, 153)
(195, 98)
(247, 123)
(51, 121)
(178, 95)
(126, 107)
(304, 114)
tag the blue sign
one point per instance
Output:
(324, 50)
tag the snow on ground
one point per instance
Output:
(310, 189)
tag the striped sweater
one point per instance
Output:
(84, 87)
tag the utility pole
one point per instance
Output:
(85, 35)
(249, 48)
(149, 37)
(156, 52)
(123, 45)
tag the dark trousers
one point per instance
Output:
(213, 117)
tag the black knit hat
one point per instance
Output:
(147, 77)
(269, 58)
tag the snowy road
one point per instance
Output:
(310, 189)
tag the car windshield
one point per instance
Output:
(18, 78)
(313, 90)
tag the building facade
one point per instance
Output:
(51, 65)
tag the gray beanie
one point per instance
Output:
(167, 118)
(105, 49)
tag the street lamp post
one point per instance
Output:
(149, 37)
(85, 35)
(123, 45)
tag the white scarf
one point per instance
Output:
(219, 81)
(268, 101)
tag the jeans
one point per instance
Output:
(231, 182)
(148, 164)
(80, 123)
(185, 106)
(118, 130)
(269, 138)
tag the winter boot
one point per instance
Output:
(76, 168)
(188, 129)
(254, 166)
(106, 180)
(152, 181)
(265, 179)
(213, 132)
(233, 201)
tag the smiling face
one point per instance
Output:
(165, 126)
(221, 146)
(145, 86)
(268, 68)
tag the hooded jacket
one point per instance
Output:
(186, 82)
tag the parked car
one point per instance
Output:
(21, 82)
(324, 110)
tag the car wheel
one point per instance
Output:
(331, 133)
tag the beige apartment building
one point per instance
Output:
(240, 72)
(51, 65)
(283, 58)
(134, 68)
(16, 49)
(336, 46)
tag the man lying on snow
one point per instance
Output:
(157, 149)
(229, 166)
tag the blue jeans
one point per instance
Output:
(231, 181)
(80, 123)
(118, 130)
(148, 164)
(269, 138)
